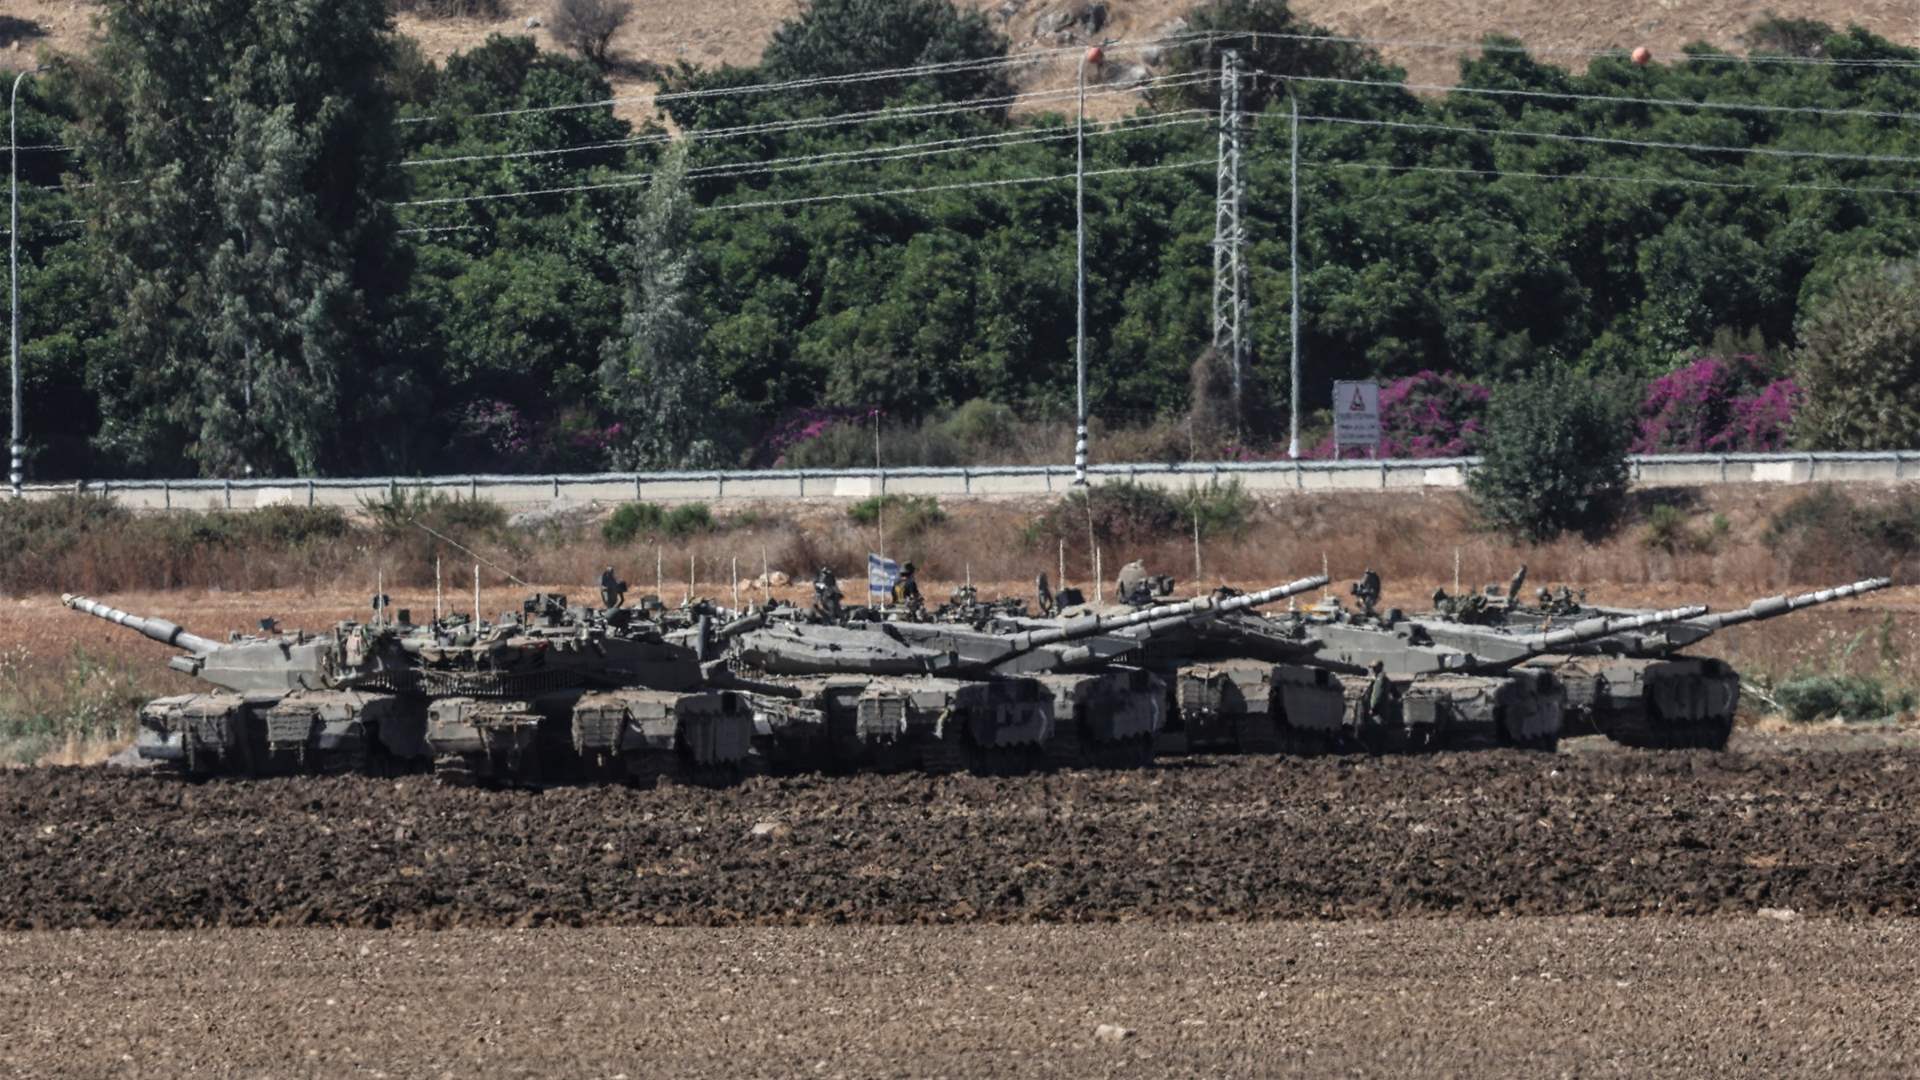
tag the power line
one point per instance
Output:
(1014, 181)
(1603, 177)
(1646, 144)
(1031, 56)
(863, 116)
(1684, 103)
(1548, 50)
(846, 157)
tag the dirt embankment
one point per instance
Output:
(1507, 833)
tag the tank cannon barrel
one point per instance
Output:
(1775, 606)
(160, 630)
(1168, 614)
(1606, 626)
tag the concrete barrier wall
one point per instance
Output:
(529, 492)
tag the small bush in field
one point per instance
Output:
(587, 26)
(904, 515)
(1827, 527)
(1669, 530)
(1123, 512)
(1219, 509)
(1845, 697)
(451, 9)
(401, 511)
(631, 521)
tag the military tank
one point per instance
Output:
(549, 693)
(1637, 688)
(1328, 679)
(940, 696)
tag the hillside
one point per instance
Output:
(670, 31)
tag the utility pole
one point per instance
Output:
(1293, 281)
(1093, 55)
(1229, 270)
(17, 448)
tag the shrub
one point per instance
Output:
(1219, 509)
(450, 9)
(1716, 405)
(1554, 457)
(400, 510)
(1827, 529)
(1847, 697)
(1123, 512)
(982, 428)
(905, 515)
(632, 521)
(1670, 530)
(587, 26)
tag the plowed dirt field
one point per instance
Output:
(1528, 997)
(1784, 823)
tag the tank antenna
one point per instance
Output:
(476, 596)
(504, 572)
(439, 592)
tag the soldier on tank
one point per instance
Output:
(613, 591)
(906, 591)
(826, 596)
(1135, 585)
(1367, 591)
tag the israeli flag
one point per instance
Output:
(881, 575)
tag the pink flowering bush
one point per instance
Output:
(803, 426)
(1428, 415)
(1716, 405)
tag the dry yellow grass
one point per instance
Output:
(667, 32)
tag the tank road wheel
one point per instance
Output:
(1256, 733)
(1013, 760)
(459, 770)
(1130, 753)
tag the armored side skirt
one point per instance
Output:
(1669, 702)
(661, 733)
(304, 731)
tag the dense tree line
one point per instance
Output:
(254, 257)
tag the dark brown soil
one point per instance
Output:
(1552, 997)
(1817, 831)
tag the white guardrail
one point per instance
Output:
(993, 481)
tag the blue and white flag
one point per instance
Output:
(881, 575)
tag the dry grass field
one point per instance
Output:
(667, 32)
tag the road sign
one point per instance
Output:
(1356, 414)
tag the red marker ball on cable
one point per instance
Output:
(1641, 55)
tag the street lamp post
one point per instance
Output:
(17, 450)
(1092, 56)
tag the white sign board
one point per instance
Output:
(881, 574)
(1356, 414)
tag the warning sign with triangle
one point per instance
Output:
(1356, 414)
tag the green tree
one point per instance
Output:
(1859, 364)
(841, 37)
(238, 150)
(1554, 455)
(651, 371)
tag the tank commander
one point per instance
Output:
(1135, 585)
(613, 591)
(906, 591)
(1367, 591)
(826, 596)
